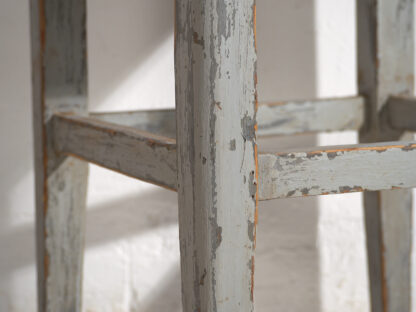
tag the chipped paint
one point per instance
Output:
(386, 67)
(232, 145)
(216, 131)
(334, 170)
(284, 118)
(136, 153)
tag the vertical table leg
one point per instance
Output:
(215, 66)
(59, 69)
(386, 67)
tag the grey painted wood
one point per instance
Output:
(58, 40)
(161, 122)
(278, 118)
(313, 171)
(323, 115)
(215, 66)
(133, 152)
(401, 113)
(337, 169)
(386, 68)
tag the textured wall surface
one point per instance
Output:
(310, 251)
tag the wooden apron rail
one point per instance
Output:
(314, 171)
(274, 118)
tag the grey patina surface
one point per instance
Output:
(324, 115)
(400, 113)
(133, 152)
(314, 171)
(58, 39)
(215, 66)
(214, 166)
(277, 118)
(386, 68)
(337, 169)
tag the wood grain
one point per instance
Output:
(386, 68)
(337, 169)
(139, 154)
(215, 67)
(320, 115)
(59, 76)
(161, 121)
(276, 118)
(314, 171)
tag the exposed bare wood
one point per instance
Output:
(386, 68)
(215, 62)
(337, 169)
(279, 118)
(59, 73)
(133, 152)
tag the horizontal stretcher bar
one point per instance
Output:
(338, 169)
(319, 171)
(135, 153)
(282, 118)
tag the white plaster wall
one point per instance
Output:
(310, 251)
(17, 279)
(341, 240)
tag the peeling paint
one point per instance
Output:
(232, 145)
(290, 193)
(304, 191)
(349, 189)
(332, 155)
(323, 115)
(197, 40)
(251, 230)
(248, 126)
(215, 95)
(409, 147)
(202, 280)
(355, 168)
(252, 185)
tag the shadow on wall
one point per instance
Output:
(16, 165)
(123, 37)
(108, 222)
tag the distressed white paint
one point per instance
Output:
(119, 266)
(386, 68)
(152, 158)
(338, 169)
(162, 122)
(65, 226)
(59, 84)
(324, 115)
(215, 65)
(136, 153)
(278, 118)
